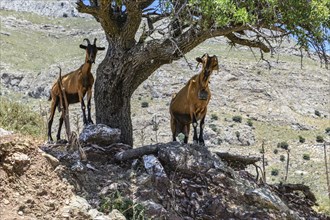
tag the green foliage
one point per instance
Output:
(317, 113)
(319, 139)
(249, 122)
(237, 134)
(214, 117)
(20, 118)
(282, 158)
(126, 206)
(275, 151)
(284, 145)
(274, 172)
(327, 130)
(237, 118)
(306, 157)
(308, 21)
(213, 127)
(144, 104)
(301, 139)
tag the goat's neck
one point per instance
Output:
(203, 80)
(86, 68)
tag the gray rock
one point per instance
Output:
(267, 198)
(99, 134)
(153, 166)
(64, 8)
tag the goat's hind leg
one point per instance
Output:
(83, 107)
(194, 123)
(51, 117)
(202, 124)
(89, 97)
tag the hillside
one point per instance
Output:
(276, 105)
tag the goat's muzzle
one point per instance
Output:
(203, 94)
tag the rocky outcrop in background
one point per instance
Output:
(52, 8)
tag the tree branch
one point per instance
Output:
(92, 10)
(250, 43)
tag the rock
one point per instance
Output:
(153, 166)
(154, 210)
(52, 160)
(116, 215)
(267, 198)
(79, 208)
(4, 132)
(48, 8)
(19, 162)
(99, 134)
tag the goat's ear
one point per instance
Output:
(199, 60)
(83, 46)
(100, 48)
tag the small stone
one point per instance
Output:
(20, 213)
(5, 201)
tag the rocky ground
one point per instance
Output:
(175, 182)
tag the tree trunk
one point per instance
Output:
(112, 97)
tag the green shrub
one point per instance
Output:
(237, 134)
(306, 157)
(213, 127)
(20, 118)
(317, 113)
(214, 117)
(126, 206)
(284, 145)
(274, 172)
(249, 122)
(237, 118)
(319, 139)
(145, 104)
(282, 158)
(275, 151)
(327, 130)
(301, 139)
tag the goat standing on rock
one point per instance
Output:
(76, 84)
(189, 105)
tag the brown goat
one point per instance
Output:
(76, 84)
(189, 105)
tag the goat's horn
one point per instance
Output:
(95, 41)
(87, 41)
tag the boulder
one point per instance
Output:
(99, 134)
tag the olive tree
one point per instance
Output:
(143, 35)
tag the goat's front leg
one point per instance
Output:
(83, 107)
(194, 122)
(89, 97)
(202, 125)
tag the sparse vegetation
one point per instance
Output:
(284, 145)
(20, 118)
(282, 158)
(306, 157)
(249, 122)
(301, 139)
(275, 151)
(237, 118)
(317, 113)
(327, 130)
(274, 172)
(144, 104)
(319, 139)
(214, 117)
(126, 206)
(213, 127)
